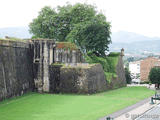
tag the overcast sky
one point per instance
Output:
(139, 16)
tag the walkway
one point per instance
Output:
(152, 114)
(133, 111)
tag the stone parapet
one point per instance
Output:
(17, 44)
(16, 69)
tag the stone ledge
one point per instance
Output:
(11, 43)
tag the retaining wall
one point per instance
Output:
(16, 68)
(86, 79)
(72, 79)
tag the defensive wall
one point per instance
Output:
(30, 65)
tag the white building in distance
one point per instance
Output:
(134, 68)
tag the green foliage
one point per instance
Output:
(110, 75)
(71, 107)
(108, 63)
(42, 26)
(80, 23)
(154, 75)
(91, 36)
(114, 54)
(35, 37)
(57, 23)
(128, 76)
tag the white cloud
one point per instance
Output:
(140, 16)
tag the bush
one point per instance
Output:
(128, 76)
(108, 63)
(154, 76)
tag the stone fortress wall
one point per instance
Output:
(120, 80)
(16, 73)
(42, 58)
(26, 66)
(90, 79)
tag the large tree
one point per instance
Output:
(80, 23)
(93, 35)
(154, 76)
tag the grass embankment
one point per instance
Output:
(36, 106)
(108, 63)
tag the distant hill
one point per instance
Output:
(18, 32)
(134, 43)
(128, 37)
(137, 47)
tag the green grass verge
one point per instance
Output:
(36, 106)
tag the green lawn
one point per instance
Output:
(36, 106)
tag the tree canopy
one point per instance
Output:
(154, 75)
(79, 23)
(128, 76)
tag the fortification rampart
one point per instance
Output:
(16, 68)
(14, 44)
(28, 65)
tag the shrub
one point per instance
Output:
(154, 76)
(108, 63)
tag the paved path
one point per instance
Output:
(132, 111)
(152, 114)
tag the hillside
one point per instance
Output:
(137, 47)
(134, 43)
(129, 37)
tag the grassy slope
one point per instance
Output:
(108, 63)
(70, 107)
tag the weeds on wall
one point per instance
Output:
(108, 63)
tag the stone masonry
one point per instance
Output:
(28, 65)
(16, 68)
(43, 57)
(68, 53)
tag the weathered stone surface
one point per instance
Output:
(121, 73)
(27, 65)
(43, 57)
(66, 52)
(16, 75)
(82, 79)
(54, 79)
(76, 79)
(120, 80)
